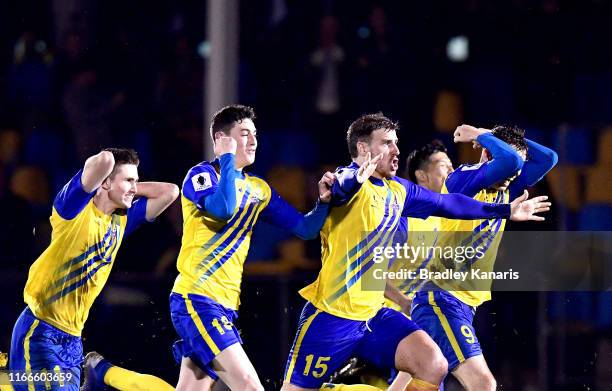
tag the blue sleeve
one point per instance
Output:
(467, 179)
(282, 215)
(423, 203)
(216, 197)
(136, 215)
(71, 200)
(345, 186)
(470, 179)
(540, 160)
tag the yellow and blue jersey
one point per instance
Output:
(68, 276)
(484, 234)
(421, 233)
(213, 250)
(364, 217)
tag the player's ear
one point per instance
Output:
(106, 184)
(420, 175)
(362, 148)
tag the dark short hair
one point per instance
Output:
(418, 158)
(224, 119)
(511, 135)
(361, 130)
(123, 156)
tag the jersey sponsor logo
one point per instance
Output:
(201, 181)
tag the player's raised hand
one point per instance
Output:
(522, 209)
(325, 187)
(368, 167)
(467, 133)
(224, 144)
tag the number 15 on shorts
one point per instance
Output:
(320, 366)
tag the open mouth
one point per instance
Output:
(394, 163)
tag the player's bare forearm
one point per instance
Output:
(159, 196)
(394, 294)
(97, 168)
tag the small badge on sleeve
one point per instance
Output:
(201, 181)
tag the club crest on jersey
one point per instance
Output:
(256, 196)
(201, 181)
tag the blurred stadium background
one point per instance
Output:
(76, 76)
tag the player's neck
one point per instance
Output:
(103, 203)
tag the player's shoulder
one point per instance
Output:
(202, 175)
(348, 168)
(400, 182)
(258, 181)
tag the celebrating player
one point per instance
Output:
(427, 167)
(341, 319)
(446, 308)
(91, 215)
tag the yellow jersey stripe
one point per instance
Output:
(446, 327)
(26, 352)
(200, 326)
(298, 345)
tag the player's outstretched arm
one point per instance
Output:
(97, 168)
(159, 196)
(280, 214)
(523, 209)
(540, 160)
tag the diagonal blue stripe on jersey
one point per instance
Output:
(221, 261)
(385, 220)
(91, 249)
(229, 224)
(482, 225)
(489, 237)
(62, 281)
(344, 288)
(84, 280)
(408, 285)
(212, 255)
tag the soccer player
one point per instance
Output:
(445, 309)
(341, 319)
(428, 167)
(221, 204)
(91, 215)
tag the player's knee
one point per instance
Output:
(439, 366)
(251, 383)
(434, 366)
(483, 381)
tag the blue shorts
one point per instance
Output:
(206, 328)
(448, 321)
(325, 342)
(39, 348)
